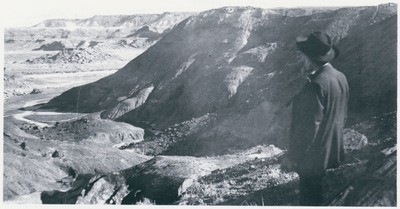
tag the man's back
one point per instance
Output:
(318, 117)
(330, 134)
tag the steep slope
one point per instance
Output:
(369, 59)
(242, 65)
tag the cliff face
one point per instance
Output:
(241, 64)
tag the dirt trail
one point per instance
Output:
(21, 117)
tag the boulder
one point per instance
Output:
(35, 91)
(110, 189)
(354, 140)
(55, 154)
(23, 145)
(69, 197)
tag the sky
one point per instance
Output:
(25, 13)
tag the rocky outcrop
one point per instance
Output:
(79, 56)
(70, 197)
(110, 189)
(128, 104)
(145, 32)
(53, 46)
(161, 180)
(89, 128)
(158, 180)
(374, 186)
(237, 181)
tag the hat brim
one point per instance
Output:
(332, 54)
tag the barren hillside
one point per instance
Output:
(241, 64)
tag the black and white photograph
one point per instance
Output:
(179, 103)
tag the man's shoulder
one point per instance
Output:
(329, 76)
(329, 73)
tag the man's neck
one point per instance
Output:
(319, 68)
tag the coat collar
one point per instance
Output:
(315, 73)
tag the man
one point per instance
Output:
(318, 116)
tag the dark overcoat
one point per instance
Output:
(318, 117)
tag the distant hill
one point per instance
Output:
(158, 22)
(99, 26)
(241, 64)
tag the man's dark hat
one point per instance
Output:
(318, 46)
